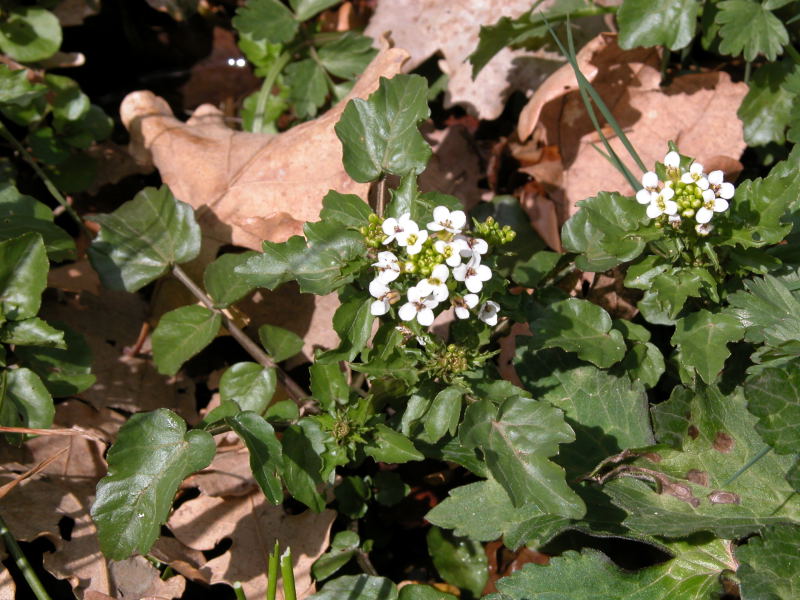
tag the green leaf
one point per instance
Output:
(774, 397)
(672, 418)
(69, 102)
(607, 413)
(347, 209)
(65, 372)
(21, 214)
(460, 561)
(657, 23)
(348, 56)
(143, 238)
(267, 20)
(668, 292)
(352, 495)
(418, 591)
(380, 135)
(483, 511)
(703, 339)
(766, 109)
(266, 454)
(249, 384)
(352, 322)
(279, 342)
(25, 401)
(329, 385)
(29, 33)
(704, 487)
(693, 574)
(389, 488)
(305, 9)
(644, 362)
(302, 464)
(32, 332)
(308, 88)
(15, 89)
(343, 548)
(221, 281)
(182, 333)
(748, 28)
(582, 327)
(523, 435)
(357, 587)
(152, 455)
(602, 231)
(769, 565)
(444, 413)
(23, 276)
(317, 267)
(391, 446)
(767, 310)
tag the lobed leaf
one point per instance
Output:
(750, 29)
(769, 565)
(152, 455)
(766, 109)
(265, 20)
(657, 23)
(774, 397)
(703, 339)
(461, 562)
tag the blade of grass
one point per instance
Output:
(22, 562)
(272, 573)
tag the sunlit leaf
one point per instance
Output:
(749, 28)
(703, 337)
(29, 33)
(23, 276)
(657, 23)
(249, 384)
(266, 456)
(182, 333)
(460, 561)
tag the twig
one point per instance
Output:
(6, 488)
(51, 187)
(261, 357)
(22, 562)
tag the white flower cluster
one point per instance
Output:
(433, 252)
(685, 194)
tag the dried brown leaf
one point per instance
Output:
(253, 525)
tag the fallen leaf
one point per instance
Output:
(252, 525)
(248, 187)
(607, 290)
(697, 111)
(426, 27)
(228, 474)
(136, 577)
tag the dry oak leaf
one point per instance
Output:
(249, 187)
(253, 525)
(451, 27)
(697, 111)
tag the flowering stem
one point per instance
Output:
(266, 90)
(22, 562)
(261, 357)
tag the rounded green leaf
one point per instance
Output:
(23, 276)
(648, 23)
(266, 455)
(65, 371)
(152, 455)
(25, 401)
(279, 342)
(249, 384)
(460, 561)
(182, 333)
(29, 33)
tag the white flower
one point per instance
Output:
(695, 175)
(703, 229)
(378, 289)
(645, 196)
(672, 160)
(674, 221)
(473, 274)
(464, 304)
(488, 313)
(435, 284)
(662, 204)
(650, 181)
(451, 250)
(413, 241)
(388, 267)
(711, 204)
(473, 246)
(396, 229)
(419, 306)
(443, 219)
(721, 188)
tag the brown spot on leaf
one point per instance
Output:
(723, 442)
(693, 432)
(680, 491)
(652, 456)
(722, 497)
(698, 477)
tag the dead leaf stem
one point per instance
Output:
(22, 562)
(380, 195)
(292, 387)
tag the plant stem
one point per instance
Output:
(266, 90)
(287, 574)
(261, 357)
(22, 562)
(272, 573)
(792, 51)
(51, 187)
(237, 589)
(380, 195)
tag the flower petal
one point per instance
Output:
(425, 317)
(672, 160)
(407, 312)
(644, 196)
(649, 180)
(378, 288)
(703, 215)
(720, 205)
(653, 210)
(379, 307)
(726, 191)
(715, 177)
(471, 300)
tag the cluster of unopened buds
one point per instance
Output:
(684, 195)
(428, 258)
